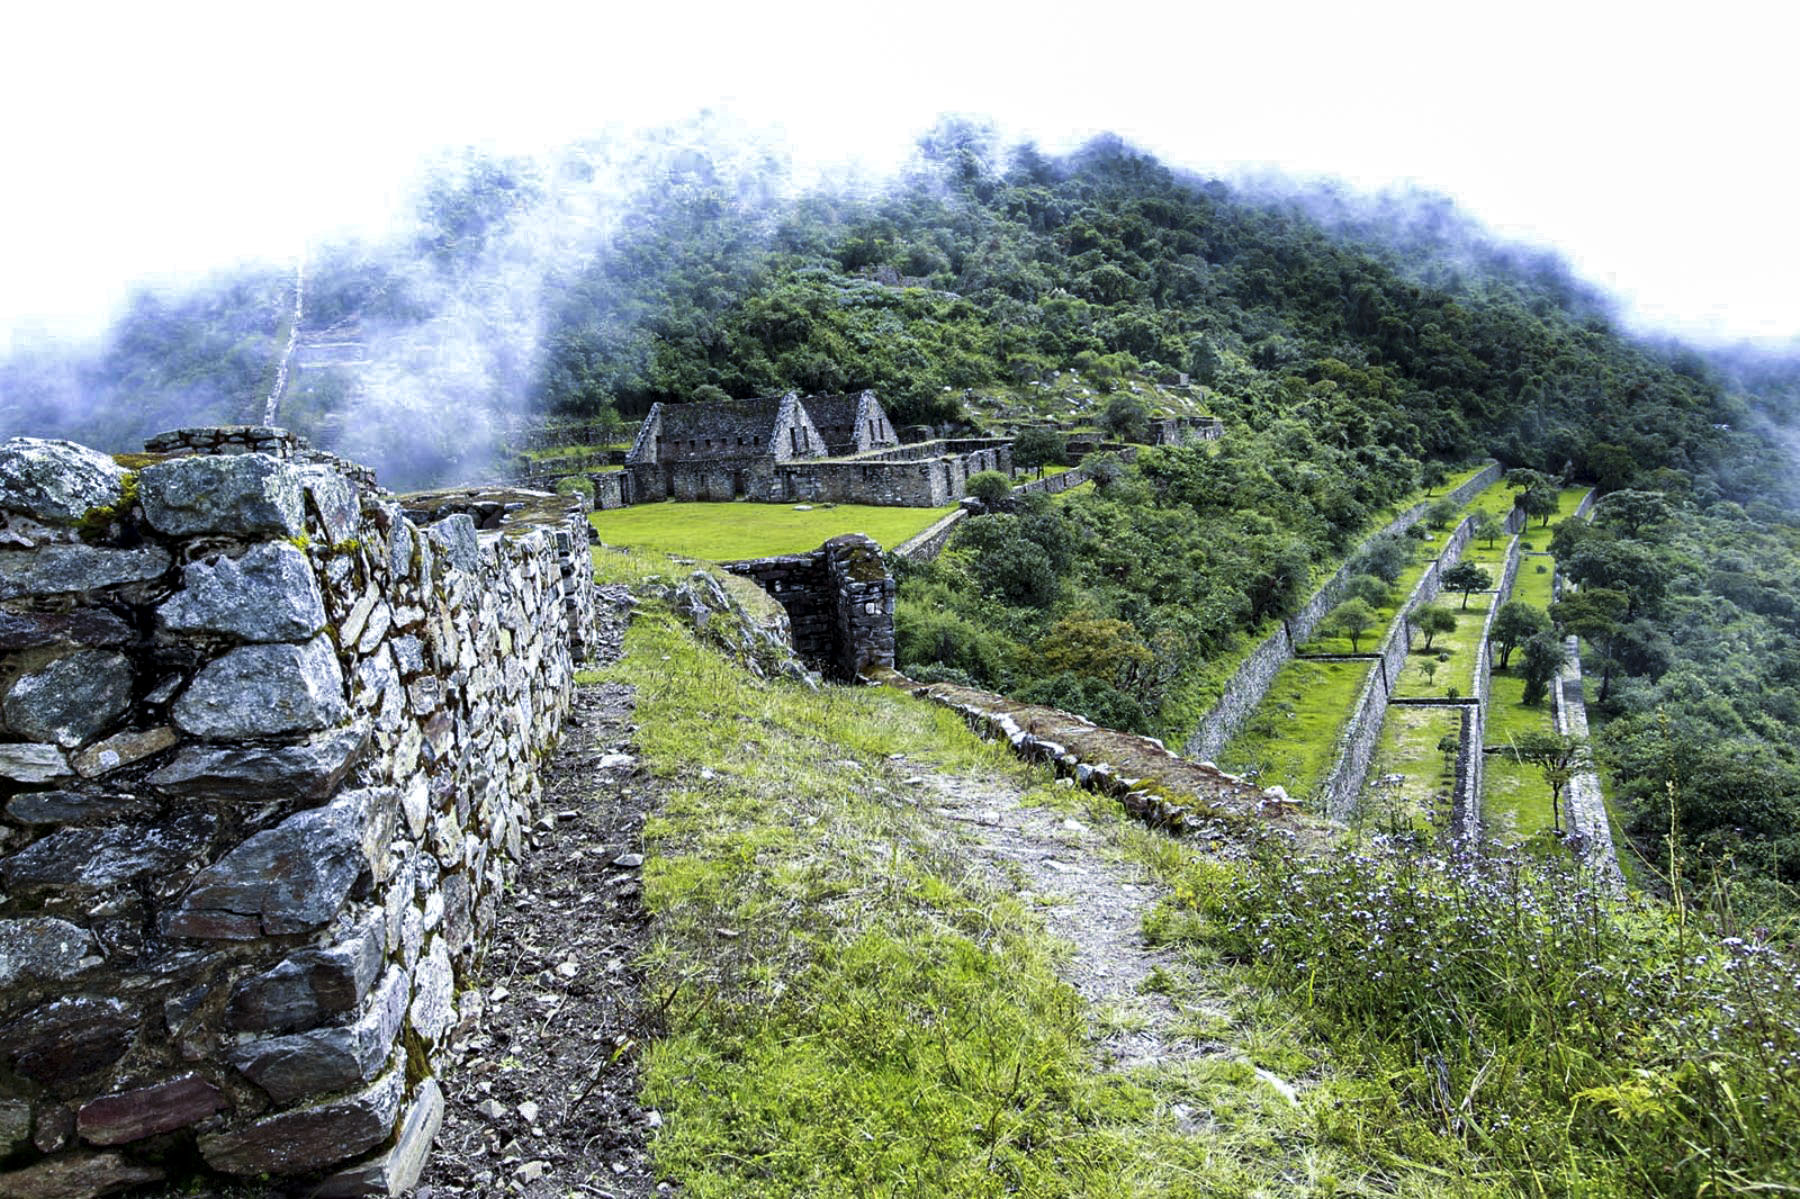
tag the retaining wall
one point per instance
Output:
(1251, 681)
(1356, 742)
(270, 759)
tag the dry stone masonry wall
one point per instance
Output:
(269, 758)
(839, 600)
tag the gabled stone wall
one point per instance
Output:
(269, 759)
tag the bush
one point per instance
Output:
(990, 487)
(1580, 1044)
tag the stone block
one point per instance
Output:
(82, 628)
(57, 482)
(76, 1176)
(455, 540)
(126, 1116)
(264, 691)
(36, 949)
(72, 699)
(310, 1138)
(309, 770)
(288, 879)
(68, 1040)
(33, 763)
(243, 495)
(63, 569)
(73, 807)
(396, 1170)
(333, 498)
(96, 858)
(434, 989)
(123, 749)
(328, 1059)
(267, 594)
(310, 985)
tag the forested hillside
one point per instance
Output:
(1355, 351)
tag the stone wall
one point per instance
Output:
(1252, 679)
(269, 761)
(839, 600)
(918, 476)
(926, 546)
(1356, 742)
(612, 489)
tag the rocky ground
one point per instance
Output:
(544, 1102)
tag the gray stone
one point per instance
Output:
(60, 569)
(30, 763)
(15, 1124)
(268, 594)
(265, 691)
(288, 879)
(395, 1171)
(77, 1176)
(66, 1040)
(123, 749)
(309, 770)
(310, 985)
(455, 538)
(72, 807)
(71, 700)
(334, 499)
(57, 482)
(79, 629)
(308, 1138)
(95, 858)
(400, 550)
(328, 1059)
(241, 495)
(42, 949)
(126, 1116)
(434, 990)
(409, 655)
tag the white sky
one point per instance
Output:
(1653, 144)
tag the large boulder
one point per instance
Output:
(71, 700)
(265, 691)
(234, 495)
(268, 594)
(57, 482)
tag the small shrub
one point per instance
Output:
(989, 486)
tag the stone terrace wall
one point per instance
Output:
(839, 600)
(269, 759)
(1356, 743)
(1251, 681)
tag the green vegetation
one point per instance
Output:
(850, 1006)
(1291, 738)
(1453, 653)
(1419, 746)
(722, 532)
(1511, 1030)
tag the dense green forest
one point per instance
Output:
(1354, 349)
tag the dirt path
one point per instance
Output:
(544, 1102)
(1095, 904)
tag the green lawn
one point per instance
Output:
(1532, 584)
(1421, 798)
(723, 532)
(1291, 737)
(1515, 800)
(1461, 644)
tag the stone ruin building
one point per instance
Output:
(837, 449)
